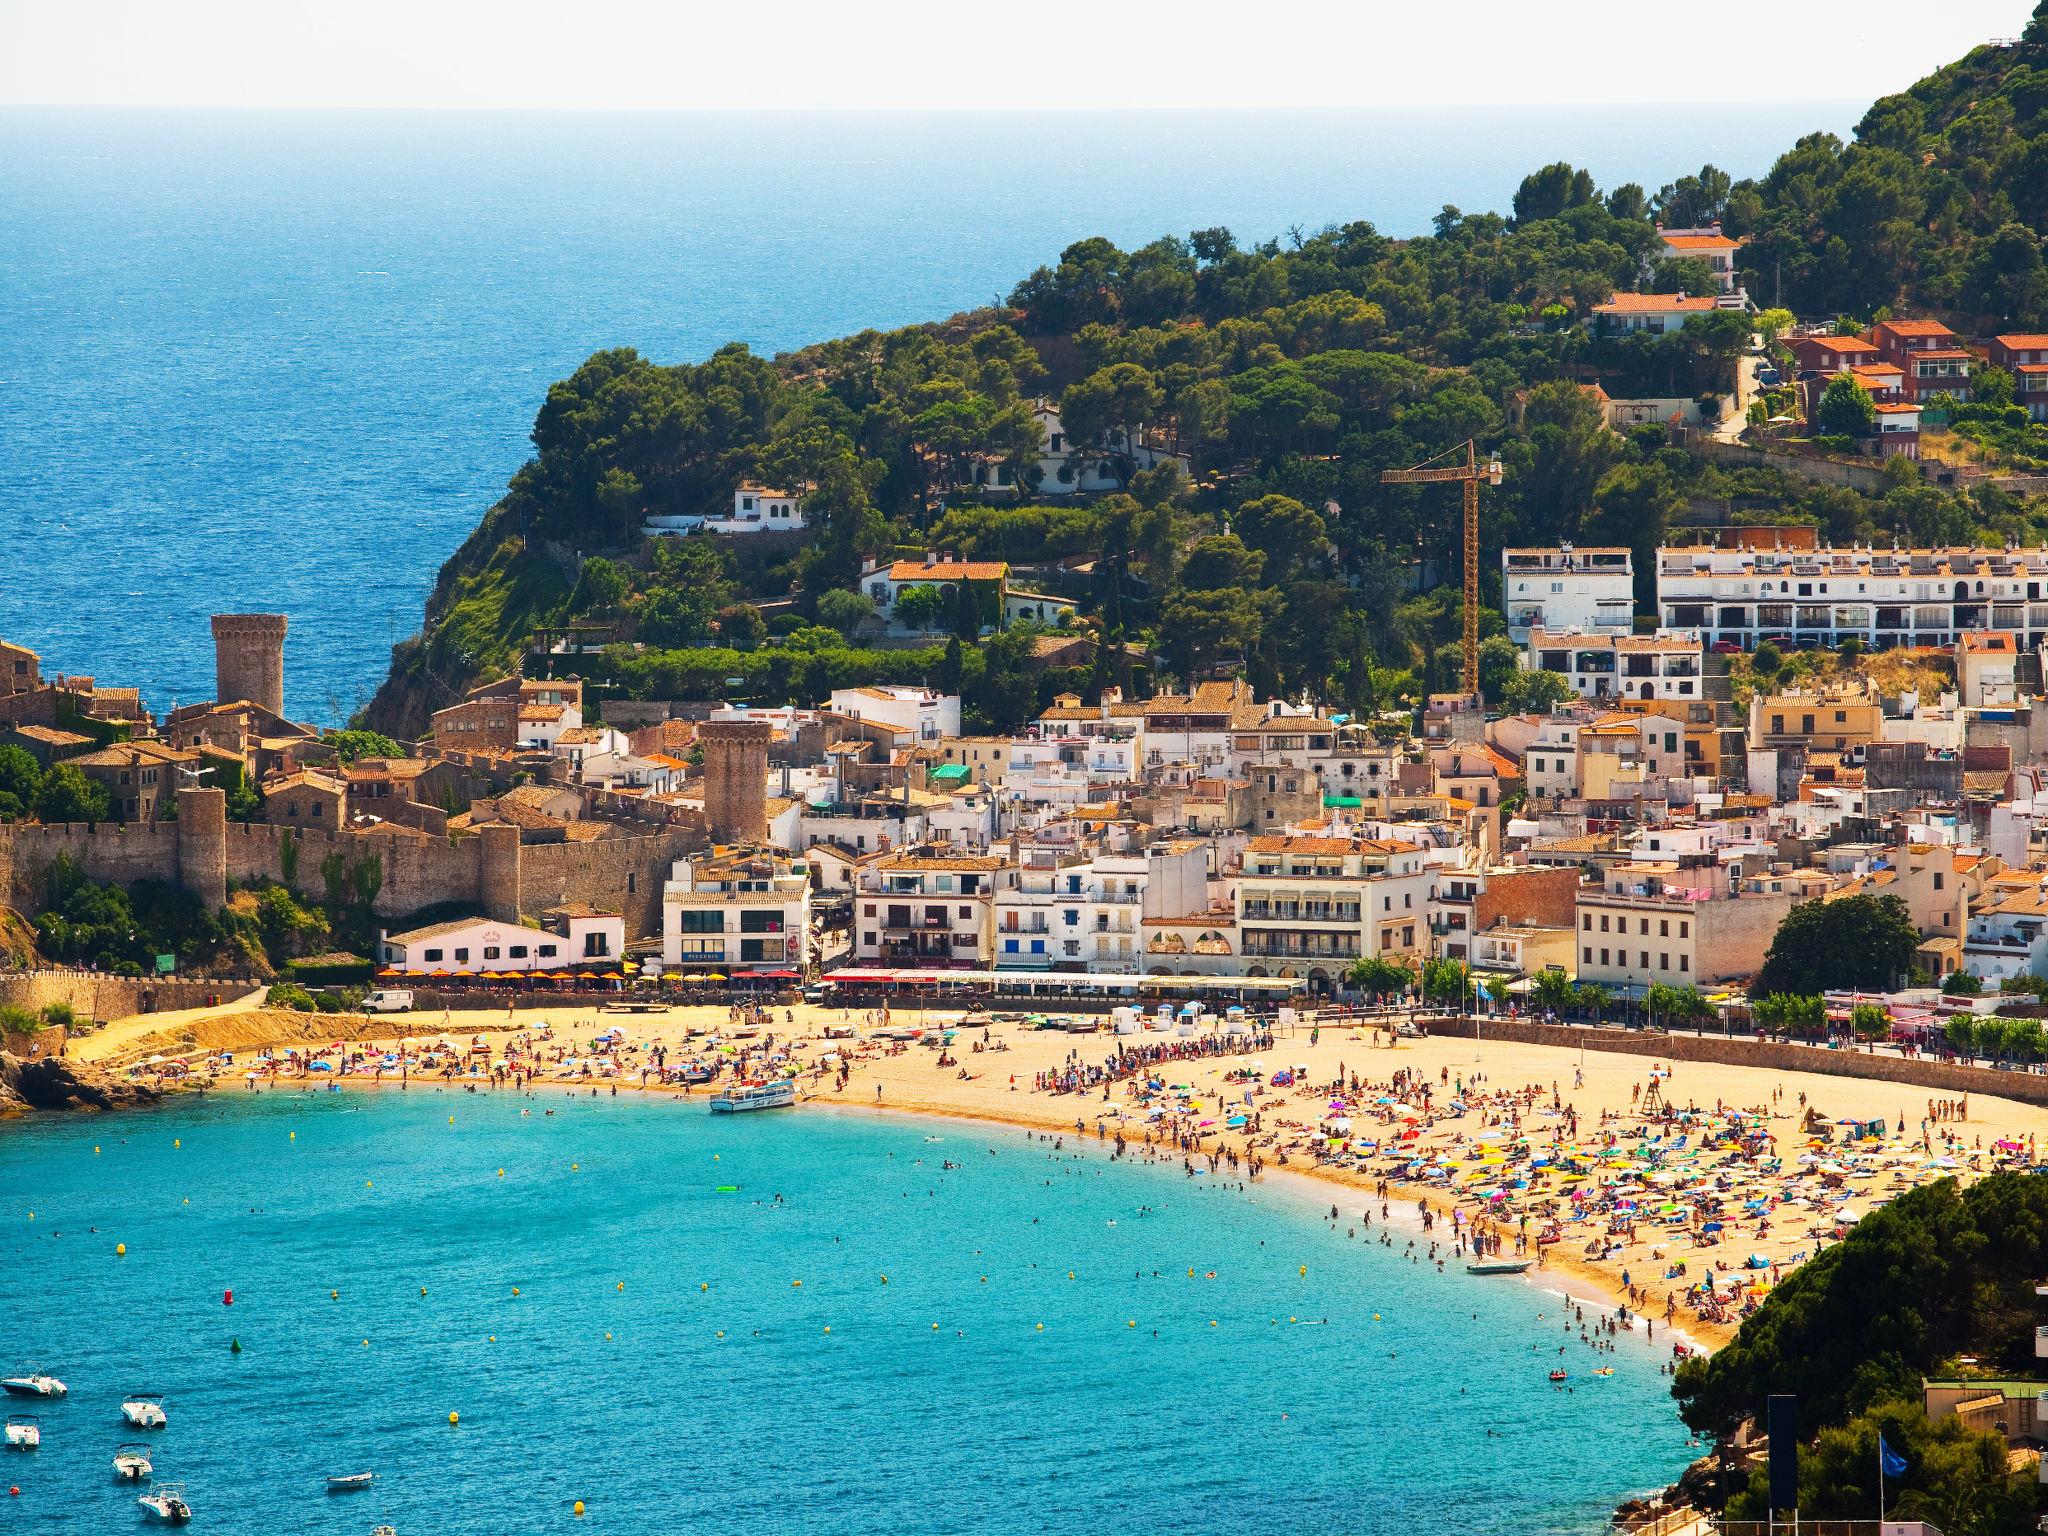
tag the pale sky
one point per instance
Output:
(934, 54)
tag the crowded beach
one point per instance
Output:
(1677, 1193)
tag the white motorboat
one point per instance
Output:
(1500, 1267)
(34, 1384)
(145, 1410)
(352, 1483)
(24, 1432)
(131, 1462)
(744, 1096)
(166, 1505)
(382, 1530)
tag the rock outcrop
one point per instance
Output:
(55, 1083)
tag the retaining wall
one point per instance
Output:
(1947, 1078)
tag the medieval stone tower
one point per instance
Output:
(248, 659)
(735, 779)
(203, 845)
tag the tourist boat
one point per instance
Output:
(131, 1461)
(24, 1432)
(145, 1410)
(743, 1096)
(166, 1504)
(1499, 1267)
(1560, 1375)
(34, 1384)
(354, 1482)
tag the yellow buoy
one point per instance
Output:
(828, 1327)
(451, 1119)
(1041, 1327)
(294, 1136)
(177, 1141)
(501, 1173)
(121, 1250)
(423, 1290)
(622, 1285)
(575, 1167)
(1070, 1274)
(1304, 1270)
(366, 1343)
(95, 1151)
(1375, 1317)
(334, 1295)
(885, 1279)
(454, 1418)
(935, 1327)
(703, 1285)
(369, 1184)
(794, 1284)
(1212, 1322)
(1132, 1323)
(579, 1507)
(494, 1338)
(1191, 1271)
(721, 1332)
(607, 1338)
(515, 1290)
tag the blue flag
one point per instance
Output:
(1892, 1462)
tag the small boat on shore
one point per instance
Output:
(145, 1410)
(166, 1505)
(354, 1482)
(1500, 1267)
(744, 1096)
(131, 1462)
(33, 1384)
(24, 1432)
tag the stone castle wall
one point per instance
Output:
(622, 874)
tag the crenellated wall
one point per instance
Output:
(622, 874)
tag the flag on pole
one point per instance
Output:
(1893, 1463)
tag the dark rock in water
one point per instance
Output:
(54, 1083)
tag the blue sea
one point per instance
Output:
(801, 1323)
(284, 362)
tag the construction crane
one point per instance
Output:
(1470, 473)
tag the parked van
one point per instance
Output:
(382, 1001)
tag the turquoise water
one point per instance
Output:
(285, 361)
(1434, 1414)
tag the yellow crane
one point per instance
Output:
(1471, 472)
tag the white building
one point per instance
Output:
(1708, 245)
(1654, 313)
(1683, 926)
(737, 909)
(1309, 906)
(1665, 665)
(926, 715)
(1885, 598)
(925, 907)
(1592, 590)
(755, 509)
(885, 585)
(1550, 768)
(1067, 468)
(576, 938)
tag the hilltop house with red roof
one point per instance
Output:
(884, 585)
(1708, 245)
(1656, 313)
(1933, 357)
(2025, 357)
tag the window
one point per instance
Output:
(1663, 961)
(490, 951)
(966, 914)
(1586, 922)
(1603, 957)
(517, 952)
(431, 954)
(596, 944)
(545, 951)
(462, 957)
(1663, 927)
(1588, 954)
(703, 920)
(1684, 962)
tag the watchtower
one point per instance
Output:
(248, 659)
(735, 779)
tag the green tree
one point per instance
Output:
(353, 745)
(1379, 978)
(1860, 942)
(1867, 1021)
(1551, 989)
(843, 610)
(920, 607)
(1551, 191)
(67, 795)
(21, 783)
(1846, 409)
(601, 586)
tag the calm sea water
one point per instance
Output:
(1416, 1401)
(284, 362)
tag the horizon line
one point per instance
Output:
(849, 109)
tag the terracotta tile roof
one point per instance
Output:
(1653, 304)
(1913, 328)
(1990, 642)
(1702, 243)
(2024, 341)
(949, 570)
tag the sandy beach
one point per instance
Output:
(1608, 1171)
